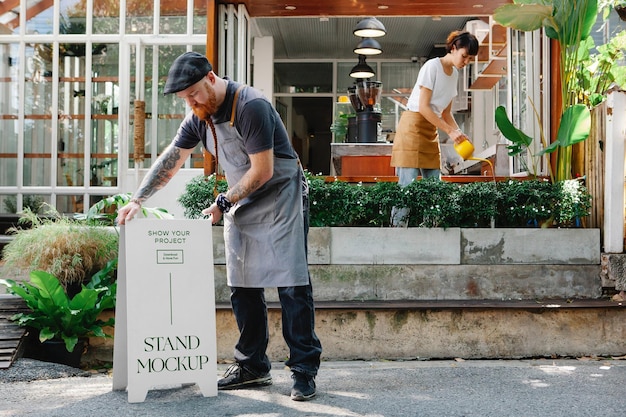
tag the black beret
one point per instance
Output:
(187, 69)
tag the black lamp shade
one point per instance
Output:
(368, 46)
(370, 27)
(362, 70)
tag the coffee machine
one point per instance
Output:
(365, 96)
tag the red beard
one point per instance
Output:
(205, 110)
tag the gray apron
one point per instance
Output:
(264, 232)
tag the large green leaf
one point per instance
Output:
(575, 20)
(574, 128)
(524, 17)
(575, 125)
(520, 140)
(49, 287)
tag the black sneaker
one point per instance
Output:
(237, 376)
(303, 387)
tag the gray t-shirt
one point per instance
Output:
(258, 123)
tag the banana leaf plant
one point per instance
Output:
(574, 128)
(569, 22)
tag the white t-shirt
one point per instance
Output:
(443, 86)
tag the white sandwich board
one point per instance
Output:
(165, 313)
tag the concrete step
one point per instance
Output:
(433, 329)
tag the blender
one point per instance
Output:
(369, 118)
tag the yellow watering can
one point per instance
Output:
(466, 150)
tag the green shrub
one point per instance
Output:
(198, 195)
(525, 203)
(431, 203)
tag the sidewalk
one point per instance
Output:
(499, 388)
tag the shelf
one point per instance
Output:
(486, 82)
(495, 69)
(486, 50)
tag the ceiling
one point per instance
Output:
(323, 28)
(332, 38)
(318, 8)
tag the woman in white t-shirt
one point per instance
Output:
(416, 143)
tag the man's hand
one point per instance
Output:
(214, 212)
(127, 212)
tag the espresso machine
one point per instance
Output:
(365, 96)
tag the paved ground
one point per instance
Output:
(500, 388)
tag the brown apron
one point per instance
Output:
(416, 143)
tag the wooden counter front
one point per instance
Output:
(361, 159)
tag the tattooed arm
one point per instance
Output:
(260, 172)
(163, 169)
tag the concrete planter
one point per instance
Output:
(382, 264)
(430, 270)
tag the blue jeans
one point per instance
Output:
(400, 216)
(298, 320)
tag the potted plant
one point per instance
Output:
(62, 323)
(70, 250)
(569, 22)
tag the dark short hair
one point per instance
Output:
(187, 69)
(462, 39)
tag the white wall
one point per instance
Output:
(263, 59)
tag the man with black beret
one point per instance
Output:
(265, 212)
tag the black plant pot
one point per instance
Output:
(54, 350)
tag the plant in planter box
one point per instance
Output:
(57, 316)
(431, 203)
(198, 195)
(478, 203)
(71, 251)
(573, 203)
(526, 203)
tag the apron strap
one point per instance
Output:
(232, 123)
(233, 110)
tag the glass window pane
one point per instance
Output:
(139, 16)
(398, 77)
(199, 16)
(343, 77)
(40, 22)
(9, 203)
(71, 148)
(106, 16)
(9, 104)
(73, 17)
(67, 204)
(104, 124)
(173, 17)
(38, 85)
(10, 20)
(37, 152)
(303, 77)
